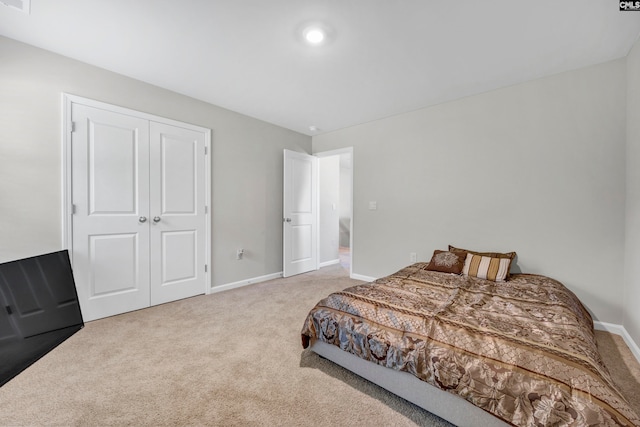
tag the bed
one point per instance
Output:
(471, 350)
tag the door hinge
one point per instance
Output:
(205, 268)
(9, 309)
(205, 150)
(73, 209)
(73, 126)
(206, 209)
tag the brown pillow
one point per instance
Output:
(508, 255)
(447, 262)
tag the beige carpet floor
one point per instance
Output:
(232, 359)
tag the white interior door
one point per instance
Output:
(300, 226)
(177, 220)
(139, 221)
(110, 190)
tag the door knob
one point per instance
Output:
(142, 219)
(156, 219)
(287, 219)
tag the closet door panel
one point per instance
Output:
(177, 186)
(110, 181)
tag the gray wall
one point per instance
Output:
(537, 168)
(247, 159)
(632, 261)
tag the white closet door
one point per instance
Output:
(177, 224)
(110, 182)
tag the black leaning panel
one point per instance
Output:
(39, 309)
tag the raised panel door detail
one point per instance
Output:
(301, 249)
(114, 264)
(178, 171)
(112, 169)
(179, 249)
(302, 180)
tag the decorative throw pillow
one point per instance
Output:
(447, 262)
(508, 255)
(484, 267)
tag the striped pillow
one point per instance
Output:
(510, 255)
(484, 267)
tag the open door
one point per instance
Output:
(300, 222)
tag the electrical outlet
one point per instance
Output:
(413, 257)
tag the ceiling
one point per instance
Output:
(383, 57)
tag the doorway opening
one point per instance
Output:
(336, 208)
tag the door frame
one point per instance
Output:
(67, 206)
(337, 152)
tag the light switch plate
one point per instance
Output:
(373, 206)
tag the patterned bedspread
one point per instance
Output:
(523, 350)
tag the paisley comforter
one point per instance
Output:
(523, 350)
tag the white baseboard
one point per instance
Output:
(328, 263)
(619, 330)
(361, 277)
(245, 282)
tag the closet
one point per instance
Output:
(138, 208)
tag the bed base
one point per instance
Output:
(446, 405)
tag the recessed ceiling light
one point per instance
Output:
(314, 35)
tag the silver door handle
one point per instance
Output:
(286, 219)
(156, 219)
(142, 219)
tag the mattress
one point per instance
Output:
(523, 350)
